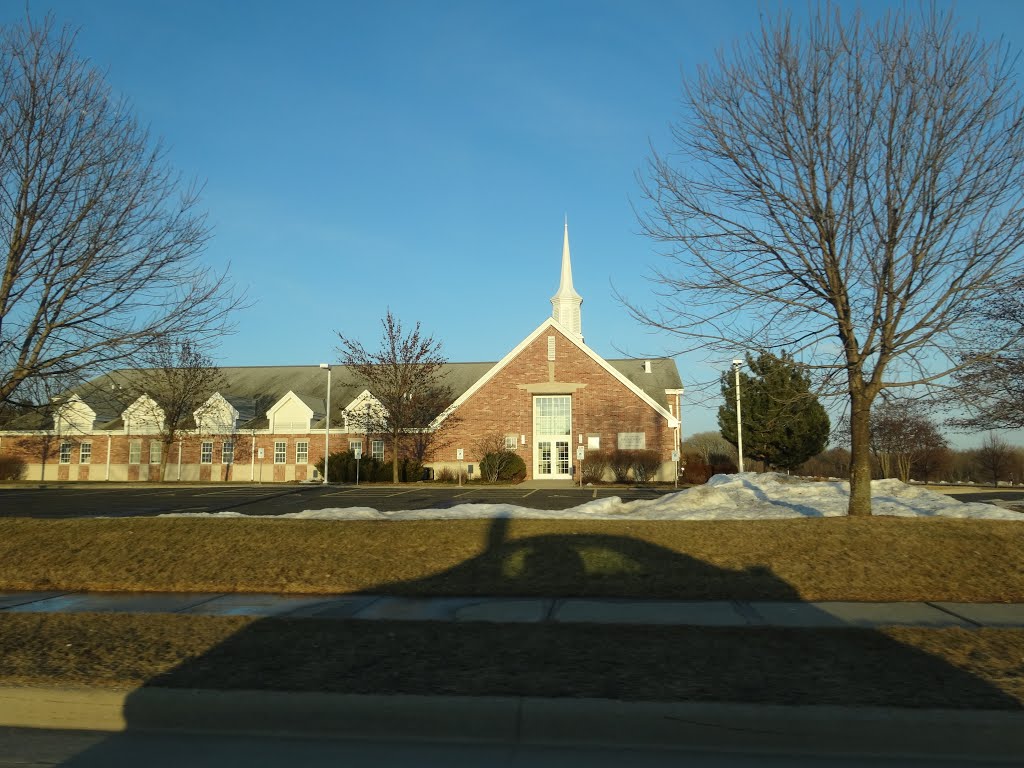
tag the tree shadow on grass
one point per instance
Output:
(550, 658)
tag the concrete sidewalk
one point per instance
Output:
(725, 613)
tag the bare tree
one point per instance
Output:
(989, 390)
(902, 435)
(425, 437)
(994, 457)
(711, 447)
(402, 373)
(168, 395)
(102, 238)
(850, 192)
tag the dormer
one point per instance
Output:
(365, 413)
(216, 416)
(74, 416)
(295, 413)
(143, 417)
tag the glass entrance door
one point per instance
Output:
(552, 428)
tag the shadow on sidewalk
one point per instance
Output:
(855, 667)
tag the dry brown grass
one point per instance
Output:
(806, 559)
(900, 667)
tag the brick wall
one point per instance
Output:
(601, 404)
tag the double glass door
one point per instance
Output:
(552, 432)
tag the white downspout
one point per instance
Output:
(109, 439)
(179, 461)
(252, 459)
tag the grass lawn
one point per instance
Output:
(804, 559)
(800, 559)
(950, 668)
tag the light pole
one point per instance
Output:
(327, 421)
(739, 420)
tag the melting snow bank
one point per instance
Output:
(747, 496)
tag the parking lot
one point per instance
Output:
(141, 501)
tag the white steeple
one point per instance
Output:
(565, 305)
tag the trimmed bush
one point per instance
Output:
(594, 466)
(342, 467)
(646, 464)
(12, 468)
(503, 466)
(620, 462)
(410, 470)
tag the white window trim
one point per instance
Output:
(85, 453)
(65, 453)
(283, 454)
(373, 449)
(302, 458)
(227, 457)
(157, 455)
(135, 452)
(206, 456)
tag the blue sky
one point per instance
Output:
(422, 155)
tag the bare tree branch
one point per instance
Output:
(404, 375)
(102, 238)
(849, 192)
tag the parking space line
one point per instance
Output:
(400, 493)
(460, 495)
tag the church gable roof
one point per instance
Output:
(652, 392)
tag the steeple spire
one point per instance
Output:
(565, 305)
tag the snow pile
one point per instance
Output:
(746, 496)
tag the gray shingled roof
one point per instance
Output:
(252, 390)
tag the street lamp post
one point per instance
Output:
(739, 420)
(327, 421)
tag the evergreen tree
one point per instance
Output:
(783, 422)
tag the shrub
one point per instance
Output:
(410, 470)
(503, 466)
(620, 462)
(342, 467)
(594, 466)
(447, 475)
(695, 471)
(12, 468)
(646, 464)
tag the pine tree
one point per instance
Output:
(783, 422)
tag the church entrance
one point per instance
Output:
(552, 437)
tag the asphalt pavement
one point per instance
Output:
(128, 500)
(21, 747)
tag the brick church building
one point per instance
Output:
(551, 399)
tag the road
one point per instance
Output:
(82, 749)
(140, 501)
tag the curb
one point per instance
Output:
(991, 735)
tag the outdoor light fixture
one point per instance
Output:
(736, 364)
(327, 420)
